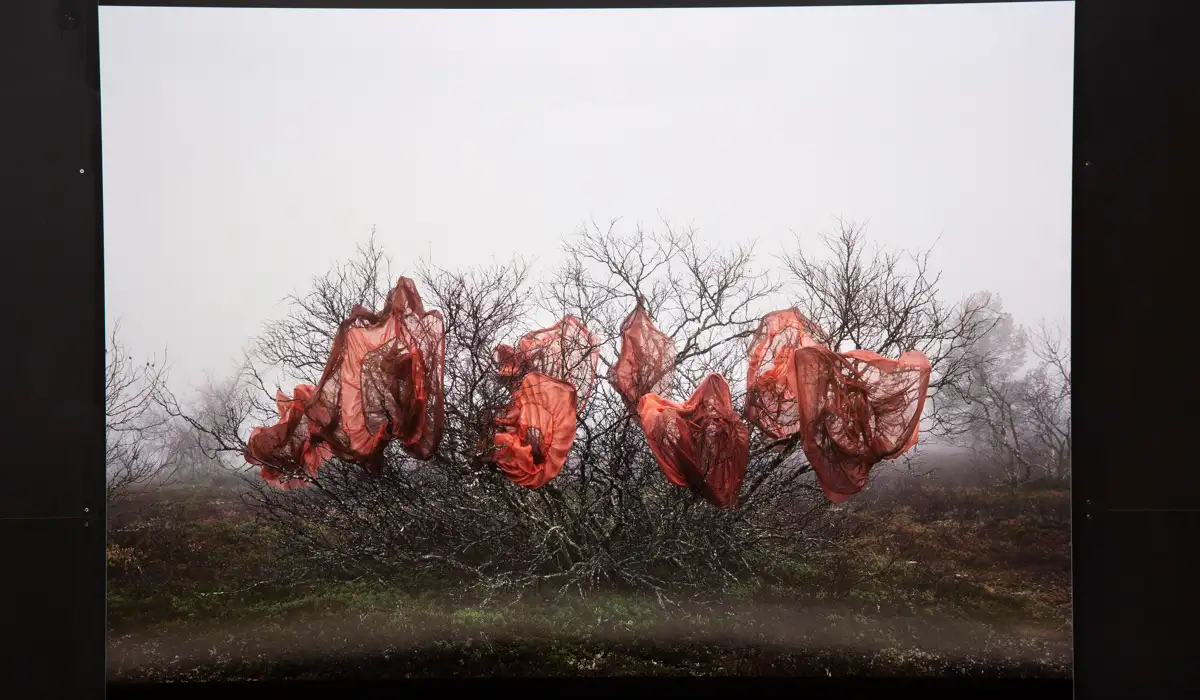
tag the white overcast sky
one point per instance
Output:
(247, 150)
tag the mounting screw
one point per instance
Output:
(1087, 163)
(81, 171)
(85, 523)
(85, 510)
(67, 18)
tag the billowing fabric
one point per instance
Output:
(702, 443)
(383, 381)
(855, 409)
(537, 430)
(286, 448)
(646, 359)
(567, 351)
(770, 399)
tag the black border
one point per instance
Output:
(1135, 502)
(52, 564)
(1136, 140)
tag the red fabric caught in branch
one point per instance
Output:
(646, 359)
(567, 351)
(770, 399)
(416, 409)
(382, 381)
(537, 430)
(855, 409)
(287, 444)
(701, 444)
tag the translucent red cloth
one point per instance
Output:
(855, 409)
(770, 398)
(567, 351)
(645, 361)
(537, 430)
(702, 443)
(383, 381)
(288, 443)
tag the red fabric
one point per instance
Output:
(646, 359)
(702, 443)
(770, 399)
(855, 409)
(382, 381)
(567, 351)
(537, 430)
(287, 443)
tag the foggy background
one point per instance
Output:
(244, 151)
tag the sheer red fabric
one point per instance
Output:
(567, 351)
(646, 359)
(537, 430)
(856, 409)
(701, 444)
(770, 399)
(287, 444)
(382, 381)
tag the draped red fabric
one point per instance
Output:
(537, 430)
(770, 399)
(855, 409)
(382, 381)
(646, 359)
(567, 351)
(702, 443)
(287, 444)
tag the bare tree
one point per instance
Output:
(1047, 398)
(200, 461)
(865, 297)
(609, 518)
(136, 429)
(288, 351)
(1017, 417)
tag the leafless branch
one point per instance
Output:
(137, 455)
(609, 518)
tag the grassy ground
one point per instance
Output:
(982, 590)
